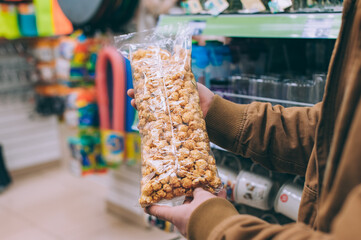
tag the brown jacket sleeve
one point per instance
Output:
(279, 138)
(217, 219)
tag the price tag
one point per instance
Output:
(192, 6)
(195, 6)
(216, 7)
(197, 27)
(283, 4)
(253, 5)
(317, 28)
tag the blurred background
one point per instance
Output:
(63, 175)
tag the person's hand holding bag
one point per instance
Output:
(180, 215)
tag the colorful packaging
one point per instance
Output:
(113, 146)
(9, 21)
(27, 20)
(132, 148)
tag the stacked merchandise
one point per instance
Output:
(18, 71)
(32, 19)
(86, 147)
(21, 127)
(50, 96)
(215, 7)
(64, 64)
(274, 197)
(98, 106)
(247, 70)
(76, 63)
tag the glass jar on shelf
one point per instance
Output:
(240, 86)
(267, 87)
(299, 90)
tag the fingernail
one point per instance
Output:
(146, 209)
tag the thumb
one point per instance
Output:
(161, 212)
(200, 194)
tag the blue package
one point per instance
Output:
(27, 24)
(130, 113)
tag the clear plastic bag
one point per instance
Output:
(176, 155)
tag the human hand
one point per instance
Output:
(205, 97)
(180, 215)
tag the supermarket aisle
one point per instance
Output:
(53, 204)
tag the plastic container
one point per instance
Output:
(240, 85)
(299, 91)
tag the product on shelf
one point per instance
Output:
(9, 21)
(288, 199)
(86, 147)
(27, 19)
(216, 7)
(32, 19)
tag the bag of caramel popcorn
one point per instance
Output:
(176, 155)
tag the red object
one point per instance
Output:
(284, 198)
(105, 56)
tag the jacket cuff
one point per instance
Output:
(207, 216)
(225, 121)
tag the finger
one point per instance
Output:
(200, 85)
(130, 93)
(200, 192)
(133, 104)
(161, 212)
(222, 194)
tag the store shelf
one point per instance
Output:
(217, 147)
(264, 99)
(282, 25)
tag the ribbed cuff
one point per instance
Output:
(207, 216)
(225, 122)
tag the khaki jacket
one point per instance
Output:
(322, 143)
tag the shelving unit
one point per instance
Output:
(264, 99)
(281, 25)
(286, 27)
